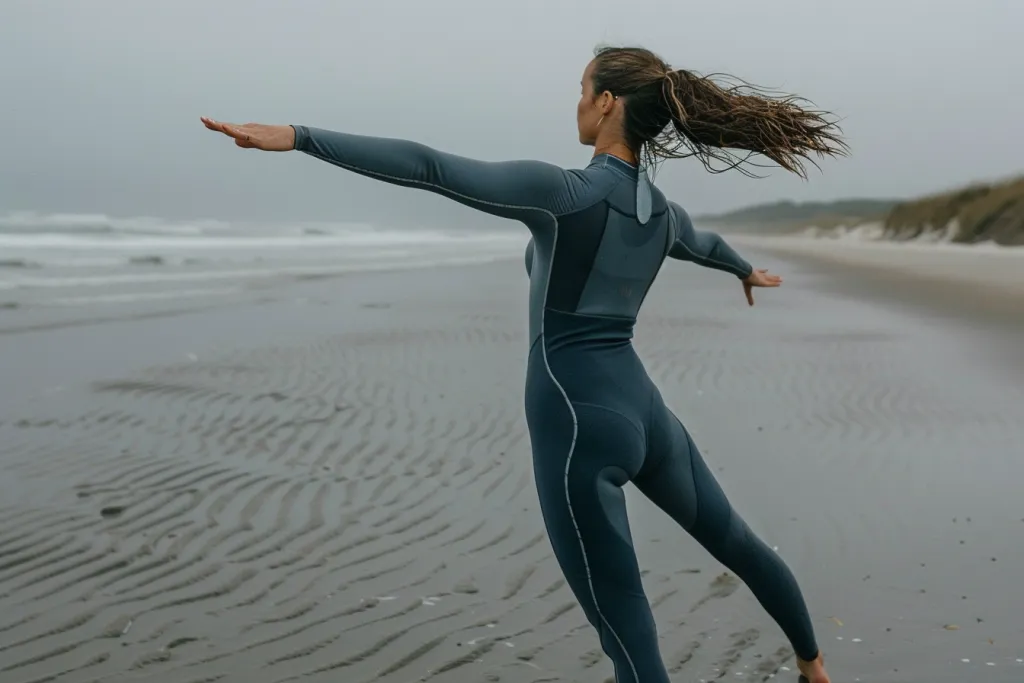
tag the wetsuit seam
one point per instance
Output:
(699, 260)
(669, 233)
(575, 434)
(693, 474)
(621, 414)
(619, 172)
(615, 169)
(619, 318)
(568, 403)
(696, 258)
(623, 177)
(533, 345)
(443, 190)
(568, 462)
(696, 493)
(648, 421)
(633, 215)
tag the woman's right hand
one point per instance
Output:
(759, 278)
(255, 135)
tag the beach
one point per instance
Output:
(320, 471)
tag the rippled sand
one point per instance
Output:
(332, 482)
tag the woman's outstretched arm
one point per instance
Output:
(530, 191)
(710, 250)
(703, 248)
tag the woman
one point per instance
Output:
(599, 237)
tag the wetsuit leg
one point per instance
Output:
(582, 456)
(676, 479)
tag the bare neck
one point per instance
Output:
(613, 143)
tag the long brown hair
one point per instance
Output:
(675, 113)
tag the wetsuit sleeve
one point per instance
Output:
(702, 247)
(530, 191)
(528, 257)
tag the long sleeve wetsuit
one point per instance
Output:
(596, 420)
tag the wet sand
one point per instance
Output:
(330, 481)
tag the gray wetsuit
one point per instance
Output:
(596, 420)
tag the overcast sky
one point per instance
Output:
(100, 99)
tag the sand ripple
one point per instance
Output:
(361, 508)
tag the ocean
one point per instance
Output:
(76, 260)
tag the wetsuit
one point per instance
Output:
(596, 420)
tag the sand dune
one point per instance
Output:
(360, 506)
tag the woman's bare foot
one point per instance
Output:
(813, 671)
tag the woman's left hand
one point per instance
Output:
(255, 135)
(759, 278)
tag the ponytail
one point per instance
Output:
(709, 120)
(673, 114)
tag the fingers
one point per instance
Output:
(240, 134)
(214, 125)
(750, 295)
(228, 129)
(764, 279)
(234, 131)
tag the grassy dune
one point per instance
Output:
(977, 213)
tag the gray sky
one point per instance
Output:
(100, 99)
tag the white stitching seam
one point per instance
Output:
(706, 259)
(696, 257)
(547, 366)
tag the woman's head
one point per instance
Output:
(631, 95)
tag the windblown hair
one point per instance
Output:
(674, 114)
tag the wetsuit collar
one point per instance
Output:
(615, 162)
(643, 183)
